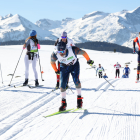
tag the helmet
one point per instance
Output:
(32, 33)
(61, 46)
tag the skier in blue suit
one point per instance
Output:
(105, 76)
(126, 71)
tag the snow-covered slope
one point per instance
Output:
(112, 113)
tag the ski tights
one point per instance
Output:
(27, 62)
(117, 72)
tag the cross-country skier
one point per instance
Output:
(126, 71)
(68, 64)
(137, 39)
(117, 66)
(100, 70)
(105, 76)
(69, 43)
(31, 56)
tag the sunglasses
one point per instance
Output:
(61, 51)
(63, 37)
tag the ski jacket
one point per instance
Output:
(99, 69)
(117, 66)
(126, 70)
(137, 39)
(69, 59)
(105, 76)
(69, 43)
(30, 45)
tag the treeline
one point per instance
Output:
(99, 46)
(104, 46)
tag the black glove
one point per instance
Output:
(90, 62)
(57, 72)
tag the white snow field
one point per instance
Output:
(112, 113)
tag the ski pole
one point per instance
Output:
(40, 66)
(109, 82)
(70, 89)
(15, 68)
(1, 73)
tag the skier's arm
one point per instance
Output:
(103, 68)
(72, 43)
(27, 45)
(56, 42)
(79, 51)
(96, 71)
(134, 43)
(53, 60)
(129, 70)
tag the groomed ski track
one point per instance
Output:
(112, 113)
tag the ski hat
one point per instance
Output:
(32, 33)
(64, 34)
(61, 46)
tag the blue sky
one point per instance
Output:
(34, 10)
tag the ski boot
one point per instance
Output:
(79, 101)
(57, 85)
(25, 83)
(137, 80)
(63, 105)
(36, 83)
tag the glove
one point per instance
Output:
(57, 72)
(90, 62)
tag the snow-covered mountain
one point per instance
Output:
(17, 28)
(120, 27)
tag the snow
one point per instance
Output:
(112, 113)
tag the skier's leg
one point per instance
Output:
(34, 62)
(75, 75)
(26, 61)
(138, 68)
(118, 73)
(64, 74)
(58, 76)
(101, 74)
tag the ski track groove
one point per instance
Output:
(101, 85)
(12, 86)
(5, 129)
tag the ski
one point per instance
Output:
(20, 86)
(55, 89)
(59, 112)
(35, 86)
(78, 109)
